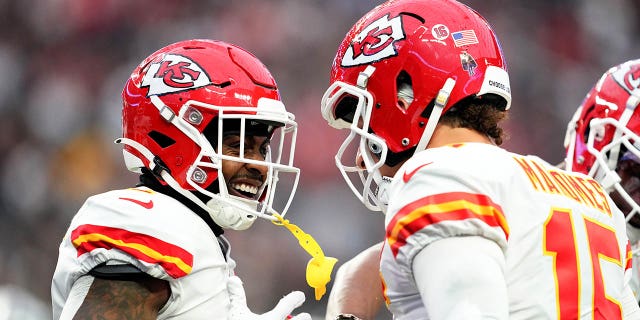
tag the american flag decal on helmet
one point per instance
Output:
(464, 38)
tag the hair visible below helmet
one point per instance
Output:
(175, 106)
(399, 68)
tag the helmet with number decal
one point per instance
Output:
(606, 129)
(398, 69)
(177, 105)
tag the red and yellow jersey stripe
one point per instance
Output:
(451, 206)
(176, 261)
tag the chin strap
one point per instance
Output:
(440, 103)
(319, 268)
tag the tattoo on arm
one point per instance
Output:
(115, 299)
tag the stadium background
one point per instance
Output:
(64, 62)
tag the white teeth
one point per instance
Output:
(245, 188)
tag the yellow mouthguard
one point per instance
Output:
(319, 268)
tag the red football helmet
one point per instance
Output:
(606, 127)
(428, 53)
(175, 106)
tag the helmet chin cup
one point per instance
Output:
(381, 192)
(236, 216)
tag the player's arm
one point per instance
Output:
(124, 299)
(130, 296)
(462, 278)
(357, 288)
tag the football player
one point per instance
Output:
(603, 141)
(204, 127)
(472, 231)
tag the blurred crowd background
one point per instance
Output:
(63, 64)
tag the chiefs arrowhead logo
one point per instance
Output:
(174, 74)
(628, 77)
(375, 42)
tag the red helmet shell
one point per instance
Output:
(206, 71)
(431, 41)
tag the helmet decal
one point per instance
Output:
(174, 73)
(468, 63)
(464, 38)
(439, 32)
(629, 79)
(375, 42)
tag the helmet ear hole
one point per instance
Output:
(404, 89)
(587, 119)
(346, 108)
(161, 139)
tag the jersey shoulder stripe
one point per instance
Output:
(176, 261)
(451, 206)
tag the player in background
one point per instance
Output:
(603, 141)
(204, 126)
(472, 230)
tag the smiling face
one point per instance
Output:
(243, 179)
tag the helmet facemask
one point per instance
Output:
(624, 144)
(345, 106)
(278, 131)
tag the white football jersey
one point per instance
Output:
(634, 238)
(158, 235)
(565, 247)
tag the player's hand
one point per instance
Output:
(284, 308)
